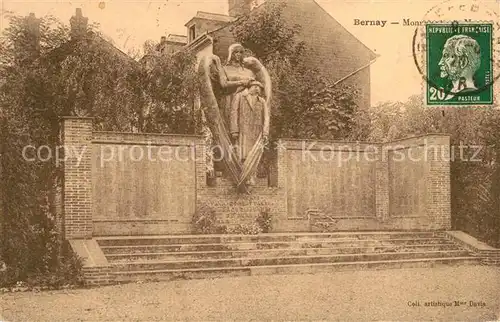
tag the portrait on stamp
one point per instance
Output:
(459, 64)
(460, 61)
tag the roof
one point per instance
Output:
(114, 49)
(201, 40)
(210, 16)
(60, 53)
(372, 54)
(310, 4)
(329, 42)
(177, 38)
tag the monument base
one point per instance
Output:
(234, 208)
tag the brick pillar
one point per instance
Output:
(281, 174)
(382, 185)
(77, 177)
(200, 164)
(437, 181)
(280, 167)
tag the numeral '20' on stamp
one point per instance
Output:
(459, 64)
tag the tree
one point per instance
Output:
(29, 238)
(167, 86)
(45, 75)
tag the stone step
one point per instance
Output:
(139, 227)
(283, 252)
(265, 261)
(284, 237)
(163, 248)
(157, 275)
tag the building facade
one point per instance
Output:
(333, 50)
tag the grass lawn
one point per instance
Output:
(347, 296)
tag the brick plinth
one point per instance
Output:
(97, 276)
(438, 181)
(77, 180)
(382, 187)
(233, 208)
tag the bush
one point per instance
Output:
(67, 272)
(264, 221)
(205, 221)
(30, 106)
(263, 224)
(43, 78)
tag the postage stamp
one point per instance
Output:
(459, 64)
(456, 49)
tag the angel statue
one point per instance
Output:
(235, 100)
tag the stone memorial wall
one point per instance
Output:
(152, 184)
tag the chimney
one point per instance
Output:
(162, 46)
(28, 49)
(79, 24)
(239, 7)
(33, 28)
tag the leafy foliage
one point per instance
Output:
(31, 247)
(45, 75)
(205, 221)
(167, 86)
(267, 34)
(264, 221)
(262, 224)
(65, 273)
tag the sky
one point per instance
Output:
(394, 76)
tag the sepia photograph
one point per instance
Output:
(249, 160)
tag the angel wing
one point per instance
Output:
(210, 73)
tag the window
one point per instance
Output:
(192, 33)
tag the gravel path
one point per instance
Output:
(346, 296)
